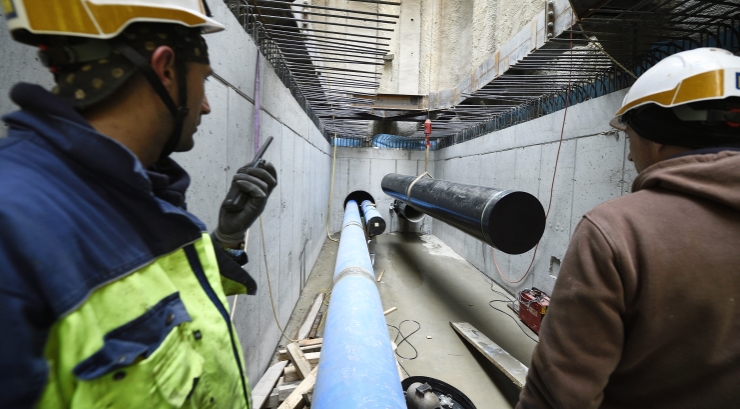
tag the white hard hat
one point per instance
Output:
(702, 74)
(101, 19)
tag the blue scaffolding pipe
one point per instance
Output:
(357, 368)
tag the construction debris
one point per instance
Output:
(510, 366)
(285, 383)
(308, 321)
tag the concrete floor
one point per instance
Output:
(429, 283)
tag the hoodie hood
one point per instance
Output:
(710, 176)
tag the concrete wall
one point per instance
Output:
(592, 168)
(295, 214)
(18, 63)
(363, 169)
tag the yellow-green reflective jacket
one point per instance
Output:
(153, 339)
(111, 294)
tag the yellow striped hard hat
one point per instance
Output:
(697, 75)
(102, 19)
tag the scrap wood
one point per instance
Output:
(296, 397)
(389, 310)
(315, 326)
(290, 371)
(309, 342)
(509, 365)
(262, 390)
(310, 317)
(283, 353)
(286, 389)
(380, 276)
(299, 360)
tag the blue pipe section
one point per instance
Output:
(374, 223)
(357, 368)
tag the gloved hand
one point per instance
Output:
(255, 184)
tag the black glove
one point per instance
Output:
(255, 184)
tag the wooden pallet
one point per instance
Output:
(289, 383)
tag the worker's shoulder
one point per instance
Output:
(639, 211)
(37, 183)
(25, 164)
(655, 200)
(625, 203)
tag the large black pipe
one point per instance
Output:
(407, 212)
(508, 220)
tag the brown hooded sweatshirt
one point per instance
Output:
(646, 310)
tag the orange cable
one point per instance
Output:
(555, 171)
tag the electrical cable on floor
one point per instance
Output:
(269, 285)
(331, 189)
(405, 338)
(555, 171)
(517, 322)
(508, 300)
(404, 369)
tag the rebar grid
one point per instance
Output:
(331, 73)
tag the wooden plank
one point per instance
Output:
(315, 326)
(309, 342)
(389, 310)
(310, 317)
(290, 371)
(286, 389)
(299, 360)
(291, 374)
(283, 353)
(380, 277)
(261, 391)
(272, 400)
(295, 400)
(515, 370)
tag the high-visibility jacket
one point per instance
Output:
(111, 294)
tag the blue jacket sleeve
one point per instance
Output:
(25, 317)
(25, 320)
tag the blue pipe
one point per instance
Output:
(373, 221)
(357, 368)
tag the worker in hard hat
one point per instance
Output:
(112, 295)
(644, 313)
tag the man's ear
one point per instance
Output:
(163, 64)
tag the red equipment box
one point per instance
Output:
(533, 305)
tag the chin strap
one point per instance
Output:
(179, 113)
